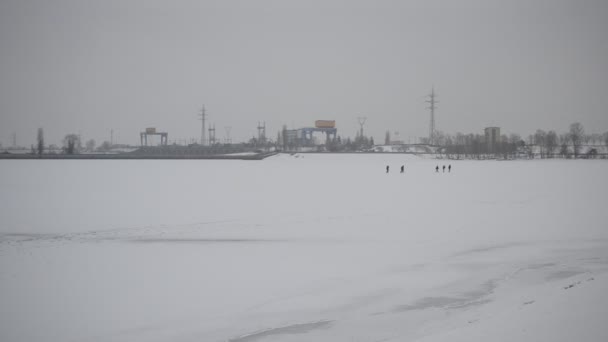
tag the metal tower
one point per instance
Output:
(202, 118)
(432, 101)
(228, 139)
(212, 135)
(361, 123)
(261, 133)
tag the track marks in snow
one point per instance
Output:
(577, 283)
(466, 299)
(564, 274)
(204, 232)
(487, 249)
(301, 328)
(199, 240)
(440, 303)
(555, 268)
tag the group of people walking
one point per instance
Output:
(402, 168)
(436, 168)
(449, 168)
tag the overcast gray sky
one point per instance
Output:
(91, 66)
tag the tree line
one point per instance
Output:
(543, 144)
(71, 144)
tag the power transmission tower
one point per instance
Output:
(262, 133)
(228, 139)
(203, 116)
(432, 101)
(361, 123)
(212, 135)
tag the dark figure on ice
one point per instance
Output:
(437, 168)
(386, 168)
(443, 168)
(450, 168)
(402, 168)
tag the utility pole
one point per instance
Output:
(202, 118)
(432, 101)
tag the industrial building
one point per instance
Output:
(303, 137)
(492, 138)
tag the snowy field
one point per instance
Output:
(303, 248)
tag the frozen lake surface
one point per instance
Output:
(303, 248)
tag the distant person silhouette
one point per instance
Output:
(402, 168)
(443, 168)
(450, 168)
(437, 168)
(386, 168)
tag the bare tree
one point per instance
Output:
(576, 135)
(441, 138)
(564, 141)
(40, 141)
(551, 143)
(285, 138)
(514, 138)
(279, 140)
(71, 144)
(594, 138)
(105, 146)
(540, 138)
(387, 138)
(90, 145)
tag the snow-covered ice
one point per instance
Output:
(305, 247)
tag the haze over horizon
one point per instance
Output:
(71, 66)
